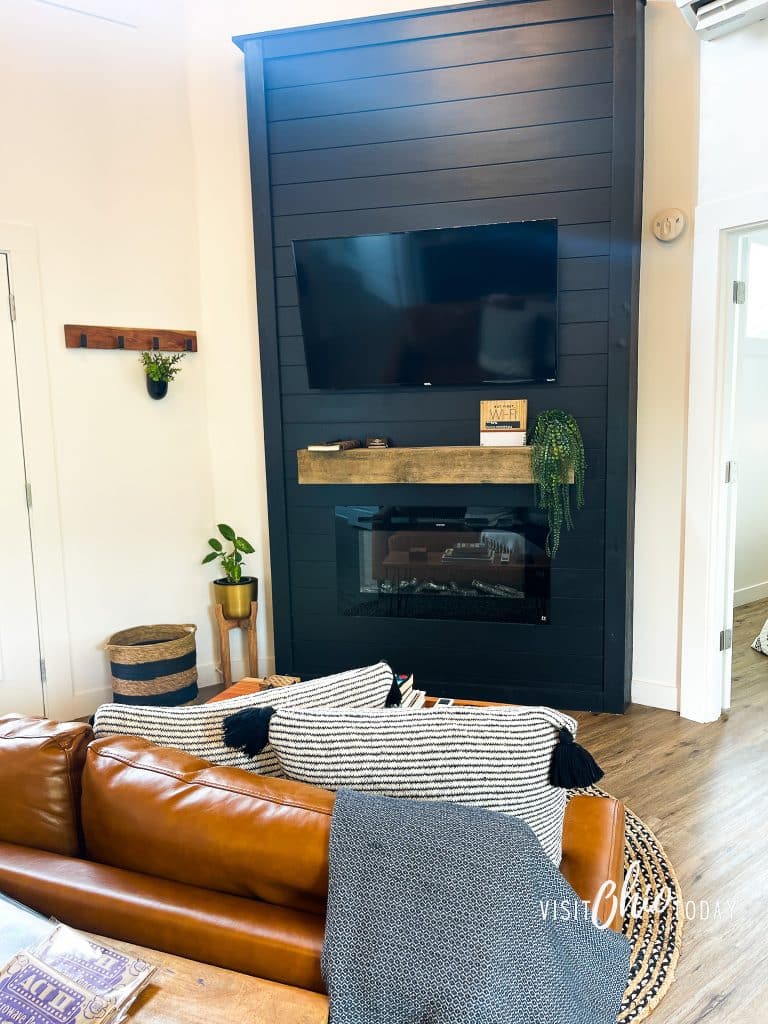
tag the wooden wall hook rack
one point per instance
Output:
(134, 339)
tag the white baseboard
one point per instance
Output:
(655, 695)
(746, 595)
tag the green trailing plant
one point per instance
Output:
(160, 367)
(558, 450)
(232, 560)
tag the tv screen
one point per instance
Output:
(454, 306)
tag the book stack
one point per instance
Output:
(410, 697)
(504, 423)
(333, 446)
(65, 978)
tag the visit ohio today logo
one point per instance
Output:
(635, 901)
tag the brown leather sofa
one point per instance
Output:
(149, 845)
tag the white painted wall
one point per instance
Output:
(734, 142)
(670, 179)
(751, 432)
(97, 161)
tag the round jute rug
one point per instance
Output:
(653, 921)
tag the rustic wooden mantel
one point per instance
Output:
(450, 465)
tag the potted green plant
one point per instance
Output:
(558, 452)
(234, 592)
(160, 370)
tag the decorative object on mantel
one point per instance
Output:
(503, 423)
(234, 591)
(134, 339)
(154, 665)
(558, 453)
(333, 446)
(461, 464)
(160, 370)
(248, 623)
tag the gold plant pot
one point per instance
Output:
(235, 598)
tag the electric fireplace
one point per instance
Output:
(472, 563)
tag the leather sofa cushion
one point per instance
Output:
(40, 766)
(593, 853)
(241, 935)
(161, 812)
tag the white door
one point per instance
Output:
(21, 684)
(744, 437)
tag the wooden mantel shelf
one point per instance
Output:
(453, 465)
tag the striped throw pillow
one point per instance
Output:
(198, 730)
(496, 758)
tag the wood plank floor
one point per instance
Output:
(703, 789)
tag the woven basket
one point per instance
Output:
(154, 665)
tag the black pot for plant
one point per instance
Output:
(157, 388)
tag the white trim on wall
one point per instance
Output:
(705, 541)
(746, 595)
(653, 694)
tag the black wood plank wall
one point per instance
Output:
(461, 115)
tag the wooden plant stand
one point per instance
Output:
(225, 627)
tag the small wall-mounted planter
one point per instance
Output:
(160, 369)
(157, 388)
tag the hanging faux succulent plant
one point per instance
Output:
(558, 451)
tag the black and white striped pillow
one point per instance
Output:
(496, 758)
(198, 730)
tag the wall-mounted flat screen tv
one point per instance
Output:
(454, 306)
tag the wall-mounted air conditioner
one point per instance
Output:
(714, 18)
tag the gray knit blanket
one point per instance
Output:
(445, 914)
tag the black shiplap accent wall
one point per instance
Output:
(461, 115)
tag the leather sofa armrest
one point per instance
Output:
(239, 934)
(593, 853)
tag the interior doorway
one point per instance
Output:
(725, 231)
(21, 672)
(748, 538)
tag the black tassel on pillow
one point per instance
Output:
(572, 766)
(394, 697)
(248, 730)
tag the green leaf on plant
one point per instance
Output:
(243, 545)
(238, 557)
(227, 532)
(215, 544)
(209, 557)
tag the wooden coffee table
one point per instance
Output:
(186, 992)
(252, 685)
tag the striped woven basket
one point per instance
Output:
(154, 665)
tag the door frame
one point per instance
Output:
(706, 537)
(19, 244)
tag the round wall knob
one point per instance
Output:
(669, 224)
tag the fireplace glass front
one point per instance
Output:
(426, 562)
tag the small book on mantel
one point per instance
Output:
(333, 446)
(503, 439)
